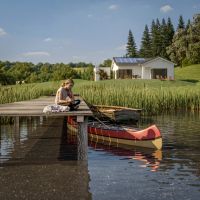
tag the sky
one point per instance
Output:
(88, 31)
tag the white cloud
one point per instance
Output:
(122, 47)
(113, 7)
(48, 39)
(35, 54)
(2, 32)
(166, 9)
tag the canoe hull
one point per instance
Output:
(149, 137)
(154, 144)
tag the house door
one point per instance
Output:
(158, 73)
(125, 73)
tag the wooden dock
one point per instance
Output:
(35, 107)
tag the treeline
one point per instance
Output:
(181, 46)
(12, 72)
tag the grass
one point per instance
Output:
(189, 73)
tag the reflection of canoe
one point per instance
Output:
(149, 157)
(149, 137)
(116, 113)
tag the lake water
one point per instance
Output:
(37, 161)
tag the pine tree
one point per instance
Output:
(156, 38)
(164, 39)
(188, 24)
(170, 30)
(131, 46)
(181, 23)
(145, 50)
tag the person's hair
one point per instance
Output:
(67, 82)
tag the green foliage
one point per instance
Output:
(193, 53)
(103, 75)
(185, 47)
(145, 50)
(62, 72)
(106, 63)
(41, 72)
(177, 50)
(156, 38)
(181, 23)
(87, 73)
(131, 46)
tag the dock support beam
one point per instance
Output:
(82, 138)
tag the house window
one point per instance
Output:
(125, 73)
(159, 73)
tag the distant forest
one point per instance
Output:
(12, 72)
(181, 46)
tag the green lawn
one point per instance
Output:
(190, 73)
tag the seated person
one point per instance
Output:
(65, 97)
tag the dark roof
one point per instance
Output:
(124, 60)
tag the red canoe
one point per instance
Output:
(149, 137)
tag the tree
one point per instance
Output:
(181, 23)
(131, 46)
(88, 73)
(177, 50)
(21, 71)
(170, 31)
(193, 54)
(146, 50)
(156, 38)
(106, 63)
(188, 24)
(185, 47)
(164, 38)
(62, 72)
(103, 75)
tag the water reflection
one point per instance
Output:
(148, 158)
(177, 167)
(36, 162)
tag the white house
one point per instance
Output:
(151, 68)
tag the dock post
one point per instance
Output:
(82, 137)
(17, 130)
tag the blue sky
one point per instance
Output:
(79, 30)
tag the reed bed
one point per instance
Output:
(153, 97)
(23, 92)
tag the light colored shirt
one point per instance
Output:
(61, 94)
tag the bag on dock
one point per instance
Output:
(55, 108)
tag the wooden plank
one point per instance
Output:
(35, 107)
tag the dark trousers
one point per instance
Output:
(73, 105)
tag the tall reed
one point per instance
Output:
(153, 96)
(153, 99)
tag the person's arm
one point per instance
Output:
(72, 96)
